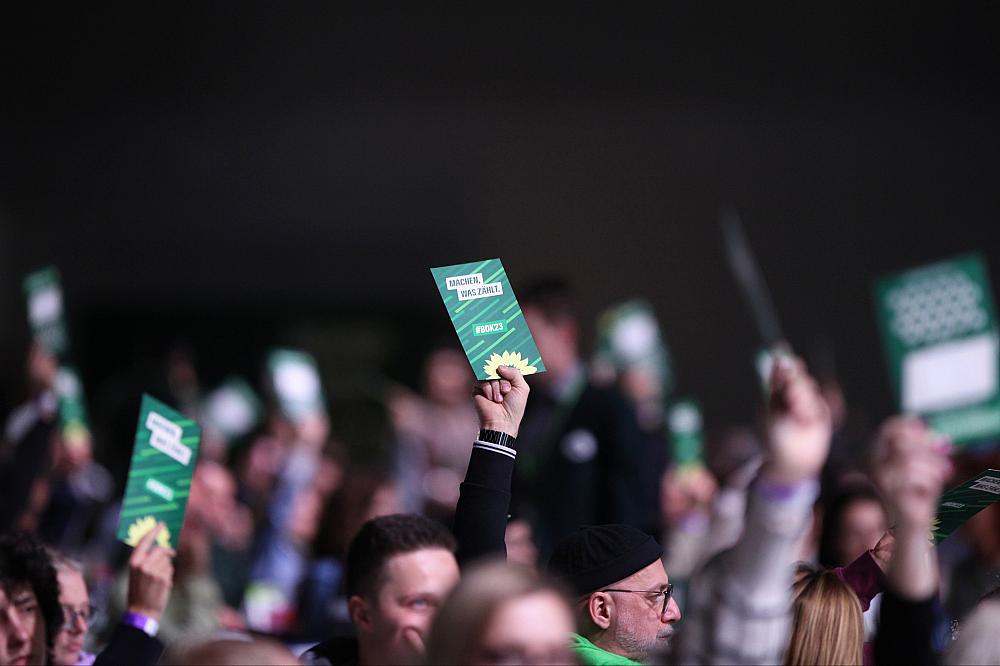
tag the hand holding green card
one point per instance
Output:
(487, 318)
(159, 478)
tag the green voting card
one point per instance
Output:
(44, 295)
(961, 503)
(940, 333)
(487, 318)
(159, 478)
(684, 424)
(72, 406)
(231, 410)
(295, 383)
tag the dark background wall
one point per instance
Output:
(238, 175)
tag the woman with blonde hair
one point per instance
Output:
(502, 613)
(827, 627)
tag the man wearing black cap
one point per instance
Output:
(625, 610)
(739, 604)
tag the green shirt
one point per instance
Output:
(591, 655)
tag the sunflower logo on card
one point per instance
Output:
(141, 526)
(513, 360)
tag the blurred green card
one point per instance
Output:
(487, 318)
(231, 410)
(684, 424)
(163, 461)
(295, 383)
(44, 295)
(961, 503)
(942, 341)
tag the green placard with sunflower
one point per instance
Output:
(159, 478)
(487, 318)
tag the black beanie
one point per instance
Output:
(596, 556)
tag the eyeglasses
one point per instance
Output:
(667, 593)
(70, 615)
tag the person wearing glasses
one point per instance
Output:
(67, 648)
(625, 611)
(134, 638)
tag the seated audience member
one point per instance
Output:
(25, 562)
(502, 613)
(826, 627)
(67, 648)
(624, 609)
(399, 568)
(739, 605)
(232, 652)
(854, 520)
(30, 614)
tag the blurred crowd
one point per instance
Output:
(581, 515)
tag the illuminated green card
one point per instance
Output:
(295, 383)
(961, 503)
(163, 460)
(684, 423)
(487, 318)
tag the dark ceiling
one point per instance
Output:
(225, 173)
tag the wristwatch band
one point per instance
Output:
(497, 437)
(142, 622)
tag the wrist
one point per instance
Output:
(500, 426)
(142, 621)
(495, 436)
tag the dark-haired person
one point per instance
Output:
(30, 614)
(400, 567)
(31, 585)
(582, 453)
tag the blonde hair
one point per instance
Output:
(462, 621)
(827, 626)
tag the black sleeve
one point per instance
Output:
(905, 631)
(483, 502)
(129, 645)
(26, 465)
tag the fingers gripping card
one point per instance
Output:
(159, 478)
(487, 318)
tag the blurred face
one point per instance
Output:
(15, 637)
(556, 343)
(861, 526)
(639, 625)
(414, 585)
(520, 543)
(75, 603)
(447, 377)
(22, 631)
(533, 629)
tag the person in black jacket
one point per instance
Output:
(31, 615)
(400, 567)
(583, 459)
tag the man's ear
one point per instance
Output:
(360, 614)
(599, 608)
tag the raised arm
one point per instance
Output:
(484, 499)
(739, 603)
(912, 467)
